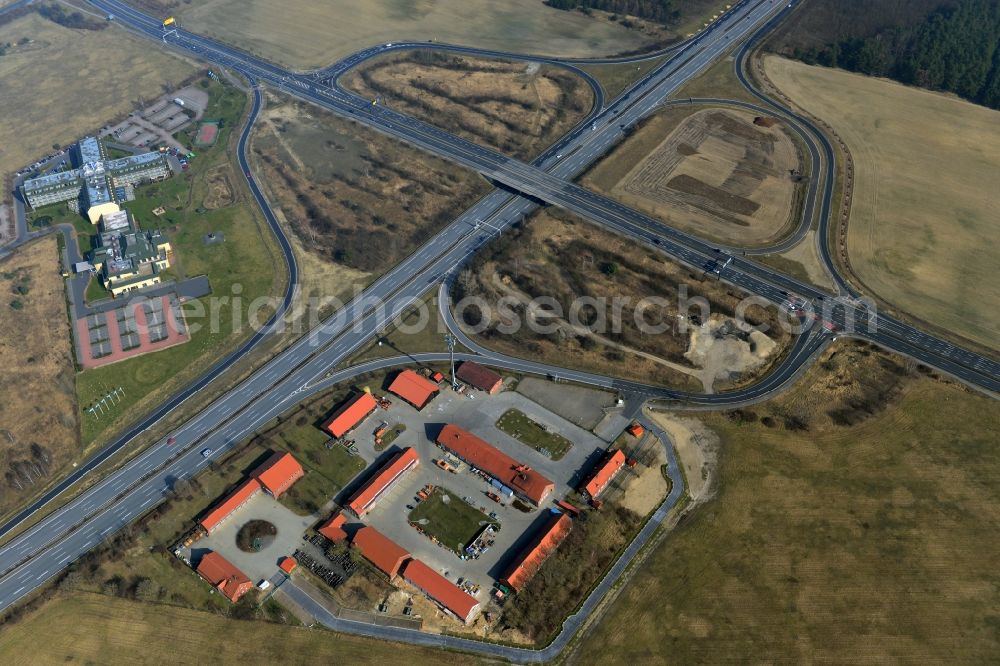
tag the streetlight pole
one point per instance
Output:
(450, 339)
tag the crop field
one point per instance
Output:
(68, 73)
(600, 283)
(355, 199)
(306, 34)
(713, 172)
(515, 107)
(922, 230)
(854, 521)
(38, 423)
(97, 629)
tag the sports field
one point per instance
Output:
(923, 226)
(865, 543)
(307, 34)
(57, 88)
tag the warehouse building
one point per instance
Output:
(333, 529)
(353, 412)
(479, 377)
(218, 515)
(274, 476)
(385, 554)
(448, 596)
(94, 180)
(524, 481)
(223, 576)
(278, 473)
(413, 388)
(603, 474)
(537, 551)
(365, 498)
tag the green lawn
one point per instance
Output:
(450, 519)
(95, 290)
(518, 425)
(327, 470)
(241, 269)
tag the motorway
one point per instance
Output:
(42, 551)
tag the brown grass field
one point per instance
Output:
(866, 543)
(357, 201)
(308, 34)
(710, 171)
(518, 108)
(61, 87)
(922, 231)
(555, 255)
(38, 394)
(94, 629)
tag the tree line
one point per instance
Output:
(955, 49)
(661, 11)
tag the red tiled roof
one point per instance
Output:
(380, 550)
(350, 414)
(604, 473)
(413, 388)
(540, 547)
(233, 501)
(333, 529)
(288, 564)
(521, 478)
(636, 430)
(440, 589)
(226, 578)
(479, 377)
(365, 497)
(278, 473)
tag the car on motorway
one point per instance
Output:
(171, 440)
(206, 453)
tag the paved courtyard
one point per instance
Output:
(264, 563)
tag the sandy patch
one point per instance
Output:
(697, 449)
(646, 490)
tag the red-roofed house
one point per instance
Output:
(636, 430)
(385, 554)
(278, 473)
(364, 499)
(442, 591)
(333, 529)
(353, 412)
(223, 576)
(523, 480)
(603, 474)
(540, 547)
(413, 388)
(479, 377)
(226, 507)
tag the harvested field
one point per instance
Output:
(354, 198)
(515, 107)
(73, 104)
(922, 229)
(38, 415)
(713, 172)
(865, 543)
(307, 34)
(597, 281)
(96, 629)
